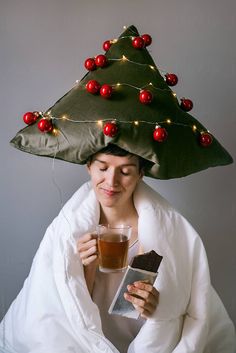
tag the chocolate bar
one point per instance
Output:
(149, 261)
(143, 267)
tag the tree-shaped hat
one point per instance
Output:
(124, 100)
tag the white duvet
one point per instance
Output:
(54, 312)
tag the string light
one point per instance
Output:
(100, 123)
(55, 131)
(118, 84)
(124, 58)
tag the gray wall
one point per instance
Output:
(43, 47)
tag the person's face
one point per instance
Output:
(114, 178)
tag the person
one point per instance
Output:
(63, 305)
(115, 175)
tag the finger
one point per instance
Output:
(86, 237)
(89, 260)
(85, 246)
(142, 294)
(144, 313)
(140, 304)
(91, 251)
(147, 287)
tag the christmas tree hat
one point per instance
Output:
(124, 100)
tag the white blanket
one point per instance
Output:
(54, 312)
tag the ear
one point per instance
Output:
(141, 174)
(88, 166)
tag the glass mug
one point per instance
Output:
(113, 245)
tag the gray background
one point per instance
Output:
(43, 48)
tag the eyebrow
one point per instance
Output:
(122, 165)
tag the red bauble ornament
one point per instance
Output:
(106, 45)
(30, 118)
(138, 43)
(90, 64)
(110, 129)
(101, 60)
(106, 91)
(205, 139)
(160, 134)
(45, 125)
(145, 96)
(147, 39)
(171, 79)
(186, 104)
(93, 86)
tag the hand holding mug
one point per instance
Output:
(87, 249)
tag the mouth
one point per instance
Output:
(110, 193)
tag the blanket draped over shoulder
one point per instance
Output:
(55, 313)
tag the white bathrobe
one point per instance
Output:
(54, 312)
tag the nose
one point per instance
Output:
(112, 178)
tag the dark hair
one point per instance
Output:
(120, 152)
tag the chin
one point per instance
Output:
(107, 202)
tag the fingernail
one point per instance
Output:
(126, 295)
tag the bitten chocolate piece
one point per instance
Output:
(150, 261)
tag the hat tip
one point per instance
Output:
(131, 29)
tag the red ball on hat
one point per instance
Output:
(186, 104)
(101, 60)
(160, 134)
(93, 86)
(147, 39)
(45, 125)
(110, 129)
(138, 43)
(171, 79)
(106, 91)
(205, 139)
(90, 64)
(30, 118)
(145, 97)
(106, 45)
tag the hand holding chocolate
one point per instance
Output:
(143, 267)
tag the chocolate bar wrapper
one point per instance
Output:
(119, 305)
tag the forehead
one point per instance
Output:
(116, 160)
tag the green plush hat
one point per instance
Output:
(125, 100)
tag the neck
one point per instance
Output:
(114, 215)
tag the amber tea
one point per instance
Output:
(113, 245)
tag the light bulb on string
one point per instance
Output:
(100, 123)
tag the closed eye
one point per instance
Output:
(102, 169)
(124, 173)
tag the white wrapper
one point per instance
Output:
(119, 305)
